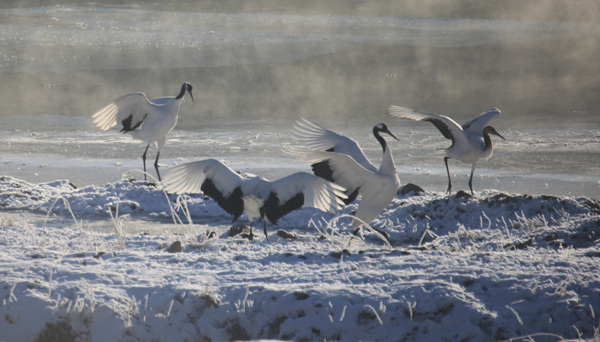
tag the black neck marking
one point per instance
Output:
(379, 138)
(487, 140)
(182, 92)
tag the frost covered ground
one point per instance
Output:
(497, 266)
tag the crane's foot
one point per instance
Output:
(385, 235)
(449, 189)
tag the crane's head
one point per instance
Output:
(491, 130)
(383, 128)
(188, 86)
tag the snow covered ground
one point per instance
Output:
(498, 266)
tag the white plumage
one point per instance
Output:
(471, 142)
(147, 120)
(319, 138)
(341, 160)
(255, 196)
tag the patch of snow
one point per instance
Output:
(92, 264)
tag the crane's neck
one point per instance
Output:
(379, 138)
(487, 141)
(487, 145)
(181, 93)
(387, 161)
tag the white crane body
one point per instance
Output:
(150, 121)
(471, 142)
(255, 196)
(375, 186)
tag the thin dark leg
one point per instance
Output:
(384, 234)
(356, 233)
(156, 165)
(266, 236)
(471, 179)
(449, 190)
(144, 159)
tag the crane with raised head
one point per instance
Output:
(147, 120)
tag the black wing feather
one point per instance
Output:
(275, 210)
(442, 127)
(127, 123)
(323, 170)
(234, 204)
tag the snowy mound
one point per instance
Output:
(493, 267)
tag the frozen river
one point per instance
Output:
(533, 161)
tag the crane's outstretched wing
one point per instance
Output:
(318, 138)
(299, 190)
(344, 170)
(129, 111)
(449, 128)
(210, 177)
(477, 124)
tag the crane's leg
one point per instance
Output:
(357, 226)
(156, 166)
(471, 178)
(449, 190)
(266, 236)
(263, 216)
(384, 234)
(251, 237)
(358, 230)
(144, 159)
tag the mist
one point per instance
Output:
(335, 60)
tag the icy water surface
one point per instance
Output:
(533, 161)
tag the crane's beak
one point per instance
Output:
(192, 96)
(495, 132)
(391, 134)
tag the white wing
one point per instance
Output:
(189, 178)
(345, 170)
(135, 105)
(449, 128)
(318, 138)
(318, 193)
(477, 124)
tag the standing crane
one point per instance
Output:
(340, 160)
(147, 120)
(471, 142)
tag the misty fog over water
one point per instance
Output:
(261, 66)
(71, 60)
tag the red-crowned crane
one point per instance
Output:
(255, 196)
(340, 160)
(471, 142)
(147, 120)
